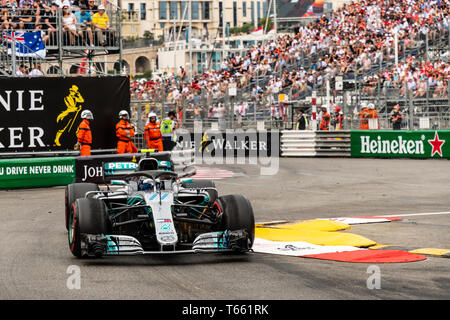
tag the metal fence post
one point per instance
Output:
(410, 110)
(13, 56)
(60, 41)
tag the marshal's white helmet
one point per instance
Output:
(152, 114)
(87, 114)
(371, 106)
(124, 113)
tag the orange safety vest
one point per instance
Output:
(125, 145)
(325, 122)
(121, 132)
(84, 137)
(152, 134)
(364, 123)
(372, 114)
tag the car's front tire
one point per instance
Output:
(237, 214)
(87, 216)
(75, 191)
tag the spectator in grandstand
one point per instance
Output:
(421, 88)
(80, 3)
(100, 23)
(26, 16)
(23, 2)
(50, 23)
(62, 3)
(69, 23)
(38, 11)
(21, 72)
(442, 86)
(92, 7)
(11, 6)
(84, 21)
(5, 17)
(36, 71)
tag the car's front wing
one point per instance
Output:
(211, 242)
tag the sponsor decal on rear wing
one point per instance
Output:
(119, 168)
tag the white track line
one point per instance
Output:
(415, 214)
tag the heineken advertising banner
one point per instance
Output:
(41, 172)
(43, 114)
(400, 144)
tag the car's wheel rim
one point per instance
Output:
(72, 225)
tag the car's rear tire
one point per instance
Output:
(75, 191)
(201, 184)
(237, 214)
(87, 216)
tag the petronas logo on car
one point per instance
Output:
(398, 146)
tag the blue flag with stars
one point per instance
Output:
(28, 44)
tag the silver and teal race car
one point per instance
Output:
(146, 209)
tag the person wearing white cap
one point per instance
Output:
(363, 123)
(100, 23)
(372, 114)
(124, 133)
(152, 133)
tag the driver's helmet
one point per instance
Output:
(145, 184)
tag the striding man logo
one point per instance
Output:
(66, 119)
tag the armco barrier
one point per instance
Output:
(400, 144)
(306, 143)
(41, 172)
(60, 171)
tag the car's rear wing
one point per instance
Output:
(118, 169)
(128, 169)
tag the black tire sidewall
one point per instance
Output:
(237, 213)
(92, 216)
(73, 192)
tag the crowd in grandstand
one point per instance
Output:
(80, 19)
(355, 39)
(417, 77)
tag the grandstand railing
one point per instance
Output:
(62, 46)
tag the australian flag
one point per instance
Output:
(28, 44)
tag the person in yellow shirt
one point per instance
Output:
(100, 23)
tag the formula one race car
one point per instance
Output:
(148, 210)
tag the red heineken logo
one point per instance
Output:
(436, 144)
